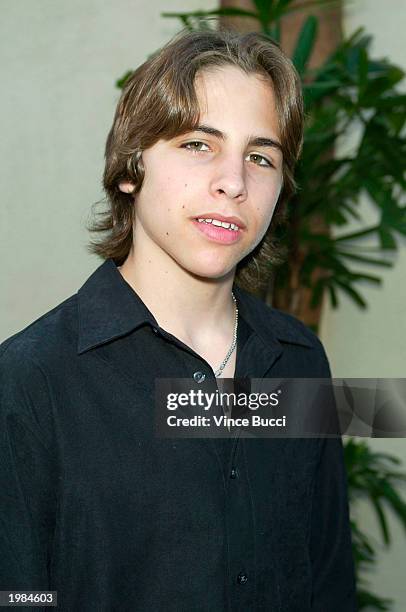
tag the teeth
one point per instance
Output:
(218, 223)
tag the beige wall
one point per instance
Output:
(59, 64)
(373, 343)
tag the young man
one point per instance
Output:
(95, 506)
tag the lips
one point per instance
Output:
(214, 215)
(214, 233)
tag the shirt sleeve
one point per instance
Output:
(27, 473)
(333, 576)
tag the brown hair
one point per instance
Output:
(158, 101)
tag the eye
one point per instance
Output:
(193, 142)
(267, 162)
(189, 146)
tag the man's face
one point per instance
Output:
(203, 175)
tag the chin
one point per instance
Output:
(211, 272)
(206, 263)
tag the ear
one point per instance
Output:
(126, 187)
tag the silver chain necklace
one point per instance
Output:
(233, 344)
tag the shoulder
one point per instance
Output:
(284, 326)
(28, 360)
(300, 343)
(44, 340)
(289, 326)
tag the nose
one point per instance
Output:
(230, 178)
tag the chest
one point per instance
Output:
(177, 503)
(216, 359)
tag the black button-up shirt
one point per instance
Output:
(113, 518)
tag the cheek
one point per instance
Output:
(162, 173)
(163, 203)
(265, 212)
(276, 192)
(164, 190)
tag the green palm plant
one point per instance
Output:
(372, 476)
(349, 89)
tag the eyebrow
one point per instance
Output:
(255, 141)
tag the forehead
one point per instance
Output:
(227, 94)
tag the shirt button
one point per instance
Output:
(242, 578)
(155, 330)
(233, 473)
(199, 376)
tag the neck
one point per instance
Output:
(197, 310)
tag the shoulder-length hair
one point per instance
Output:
(159, 101)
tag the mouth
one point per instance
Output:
(225, 232)
(225, 220)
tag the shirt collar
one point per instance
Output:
(269, 323)
(109, 308)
